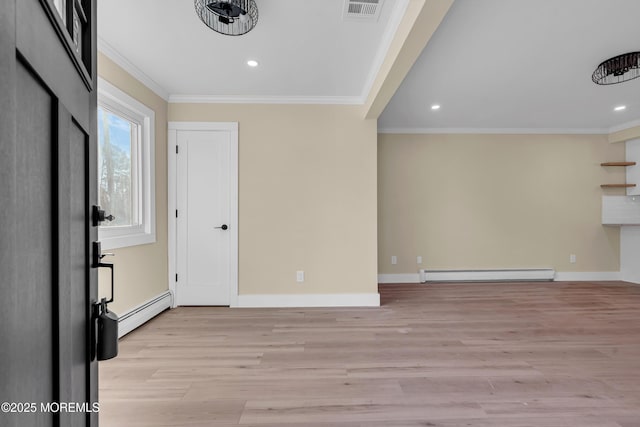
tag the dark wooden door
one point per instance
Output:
(47, 175)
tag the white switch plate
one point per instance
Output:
(419, 260)
(299, 276)
(572, 258)
(394, 260)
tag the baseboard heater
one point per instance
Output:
(527, 274)
(142, 313)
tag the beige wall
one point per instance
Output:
(495, 201)
(307, 195)
(625, 135)
(141, 271)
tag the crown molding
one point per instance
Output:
(136, 72)
(398, 12)
(514, 131)
(239, 99)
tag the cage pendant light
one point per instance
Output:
(229, 17)
(618, 69)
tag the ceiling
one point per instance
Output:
(496, 65)
(492, 65)
(306, 51)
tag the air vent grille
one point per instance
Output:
(368, 10)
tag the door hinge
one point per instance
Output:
(176, 213)
(176, 149)
(176, 277)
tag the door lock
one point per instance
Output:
(98, 215)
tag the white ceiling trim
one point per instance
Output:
(136, 72)
(399, 10)
(514, 131)
(214, 99)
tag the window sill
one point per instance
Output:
(124, 241)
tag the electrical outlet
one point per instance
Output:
(299, 276)
(419, 260)
(394, 260)
(572, 258)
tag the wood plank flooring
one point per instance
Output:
(553, 354)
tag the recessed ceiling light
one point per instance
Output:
(252, 63)
(435, 107)
(620, 108)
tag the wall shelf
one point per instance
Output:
(617, 185)
(618, 164)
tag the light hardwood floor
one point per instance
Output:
(486, 355)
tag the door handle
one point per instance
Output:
(223, 226)
(96, 262)
(110, 267)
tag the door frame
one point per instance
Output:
(172, 183)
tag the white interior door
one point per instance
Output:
(206, 224)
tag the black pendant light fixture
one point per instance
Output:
(618, 69)
(230, 17)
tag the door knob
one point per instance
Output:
(223, 226)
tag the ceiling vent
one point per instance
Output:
(362, 10)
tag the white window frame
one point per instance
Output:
(118, 102)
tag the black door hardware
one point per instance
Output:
(105, 322)
(223, 226)
(98, 216)
(106, 330)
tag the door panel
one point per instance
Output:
(47, 162)
(79, 332)
(73, 250)
(34, 245)
(9, 316)
(204, 200)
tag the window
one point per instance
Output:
(126, 178)
(61, 8)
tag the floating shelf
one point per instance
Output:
(618, 164)
(617, 185)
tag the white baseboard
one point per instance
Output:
(143, 313)
(399, 278)
(569, 276)
(309, 300)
